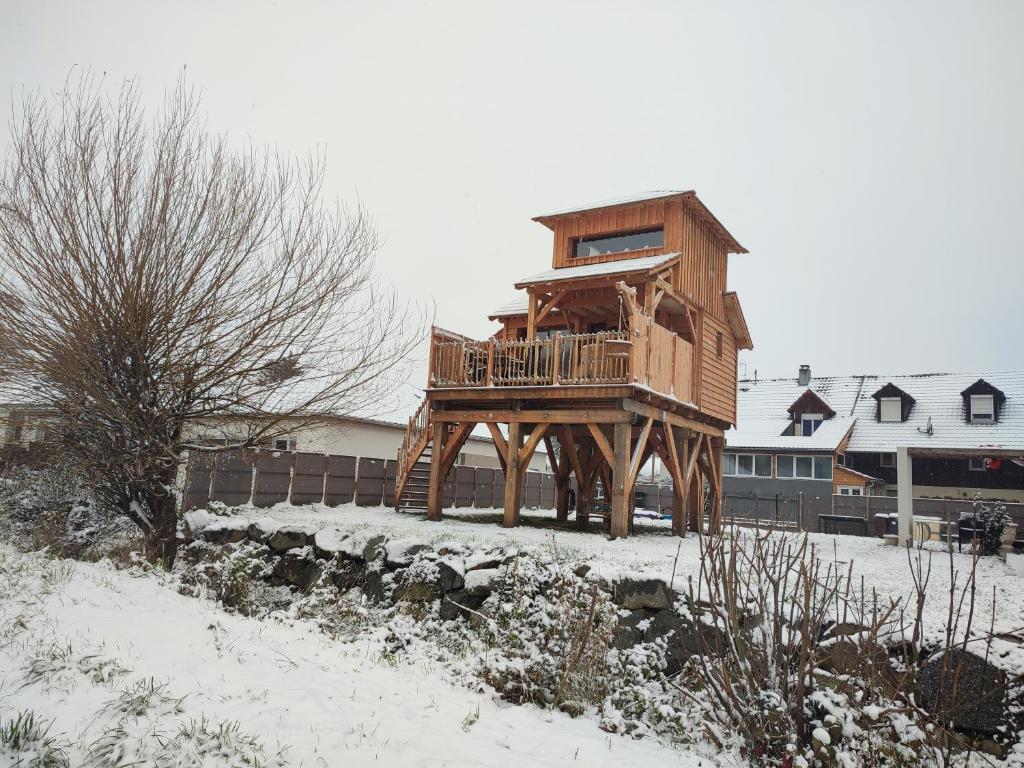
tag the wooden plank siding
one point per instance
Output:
(718, 379)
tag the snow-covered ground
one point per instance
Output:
(75, 636)
(655, 552)
(328, 703)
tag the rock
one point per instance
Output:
(299, 568)
(328, 542)
(451, 611)
(630, 629)
(194, 523)
(978, 705)
(479, 561)
(582, 570)
(401, 552)
(377, 585)
(291, 537)
(261, 530)
(632, 593)
(374, 549)
(225, 532)
(681, 637)
(449, 578)
(417, 592)
(347, 575)
(483, 581)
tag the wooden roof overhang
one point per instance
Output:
(738, 323)
(690, 200)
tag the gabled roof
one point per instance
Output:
(689, 197)
(766, 434)
(811, 402)
(738, 323)
(604, 269)
(937, 397)
(891, 390)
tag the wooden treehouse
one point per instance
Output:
(625, 349)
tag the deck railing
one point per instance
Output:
(650, 355)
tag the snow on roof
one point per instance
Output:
(596, 270)
(762, 408)
(766, 433)
(637, 198)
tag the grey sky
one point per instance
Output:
(869, 155)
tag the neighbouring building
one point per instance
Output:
(839, 434)
(27, 426)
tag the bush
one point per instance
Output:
(993, 520)
(26, 741)
(50, 508)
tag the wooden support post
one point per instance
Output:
(620, 483)
(489, 376)
(531, 315)
(584, 484)
(513, 476)
(435, 491)
(696, 511)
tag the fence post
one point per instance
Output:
(489, 378)
(800, 511)
(556, 355)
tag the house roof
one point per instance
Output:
(622, 266)
(766, 434)
(762, 409)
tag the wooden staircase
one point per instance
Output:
(412, 479)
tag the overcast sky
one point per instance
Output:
(869, 155)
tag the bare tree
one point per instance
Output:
(166, 278)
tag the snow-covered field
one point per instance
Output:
(324, 703)
(74, 637)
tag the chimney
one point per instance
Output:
(804, 377)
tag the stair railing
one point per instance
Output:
(417, 434)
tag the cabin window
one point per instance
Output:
(976, 465)
(891, 409)
(809, 423)
(982, 409)
(747, 464)
(887, 459)
(804, 467)
(632, 241)
(850, 490)
(284, 444)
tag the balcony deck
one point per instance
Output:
(648, 356)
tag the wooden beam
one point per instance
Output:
(513, 477)
(499, 443)
(526, 452)
(637, 461)
(694, 455)
(602, 442)
(676, 469)
(435, 490)
(454, 444)
(672, 418)
(568, 416)
(549, 306)
(620, 491)
(569, 447)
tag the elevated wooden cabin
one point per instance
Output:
(626, 348)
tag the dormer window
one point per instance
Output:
(600, 245)
(809, 422)
(982, 403)
(983, 409)
(890, 409)
(894, 405)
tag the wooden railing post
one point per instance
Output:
(556, 356)
(489, 379)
